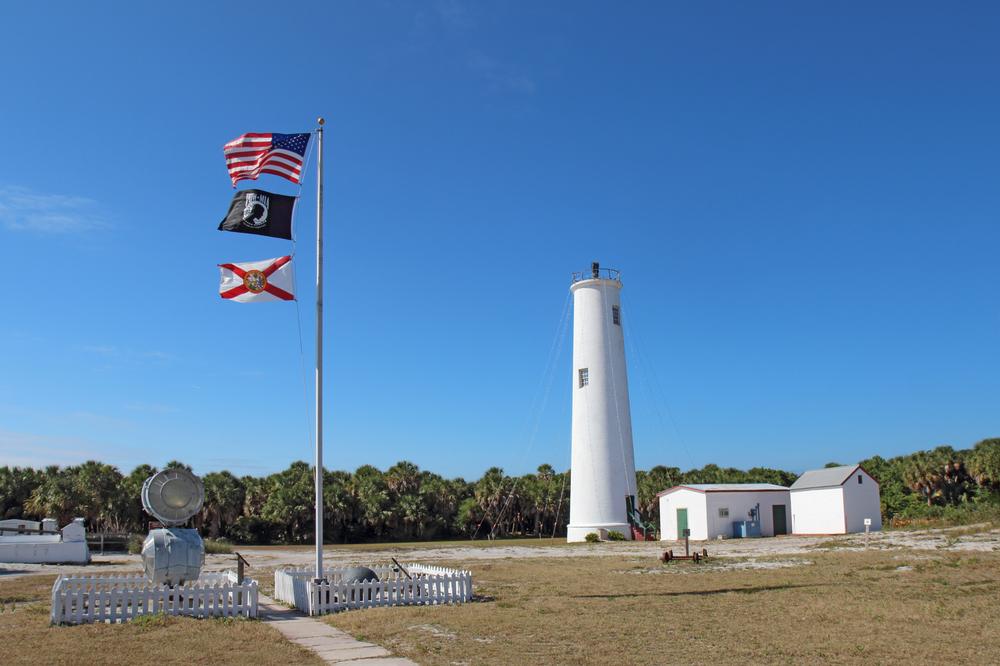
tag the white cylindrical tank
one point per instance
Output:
(172, 555)
(603, 464)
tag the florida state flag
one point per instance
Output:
(251, 281)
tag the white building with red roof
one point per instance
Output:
(835, 500)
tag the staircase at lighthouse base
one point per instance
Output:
(638, 535)
(641, 530)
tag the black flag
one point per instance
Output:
(260, 212)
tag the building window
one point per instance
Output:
(584, 376)
(859, 478)
(724, 512)
(616, 315)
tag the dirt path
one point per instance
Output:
(966, 538)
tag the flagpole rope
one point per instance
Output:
(536, 410)
(306, 411)
(653, 388)
(305, 167)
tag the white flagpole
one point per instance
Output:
(319, 351)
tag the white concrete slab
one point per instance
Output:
(350, 653)
(329, 643)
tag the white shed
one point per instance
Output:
(835, 500)
(710, 509)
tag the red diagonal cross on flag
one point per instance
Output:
(268, 280)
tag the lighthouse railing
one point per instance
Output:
(602, 273)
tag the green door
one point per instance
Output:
(682, 522)
(778, 514)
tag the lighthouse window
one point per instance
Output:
(584, 376)
(616, 315)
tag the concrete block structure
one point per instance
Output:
(33, 542)
(835, 500)
(710, 509)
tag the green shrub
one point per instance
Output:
(615, 536)
(149, 621)
(592, 538)
(135, 543)
(217, 547)
(985, 508)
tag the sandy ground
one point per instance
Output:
(967, 538)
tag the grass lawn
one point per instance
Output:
(29, 639)
(829, 606)
(913, 607)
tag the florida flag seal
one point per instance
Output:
(251, 281)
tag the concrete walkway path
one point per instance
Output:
(331, 645)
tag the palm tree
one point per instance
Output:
(938, 475)
(16, 486)
(371, 495)
(984, 464)
(440, 503)
(921, 475)
(412, 512)
(57, 496)
(403, 478)
(338, 506)
(488, 494)
(132, 484)
(544, 492)
(224, 497)
(107, 505)
(290, 503)
(255, 492)
(649, 485)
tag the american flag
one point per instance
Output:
(255, 153)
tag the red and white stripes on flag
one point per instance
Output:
(268, 280)
(255, 153)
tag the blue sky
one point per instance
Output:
(803, 200)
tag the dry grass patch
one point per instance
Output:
(29, 639)
(837, 607)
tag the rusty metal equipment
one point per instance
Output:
(668, 555)
(241, 564)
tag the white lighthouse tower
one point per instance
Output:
(603, 465)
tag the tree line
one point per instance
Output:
(407, 503)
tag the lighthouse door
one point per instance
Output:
(682, 522)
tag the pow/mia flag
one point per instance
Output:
(260, 212)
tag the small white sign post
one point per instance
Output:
(868, 526)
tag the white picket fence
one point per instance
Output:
(84, 599)
(427, 585)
